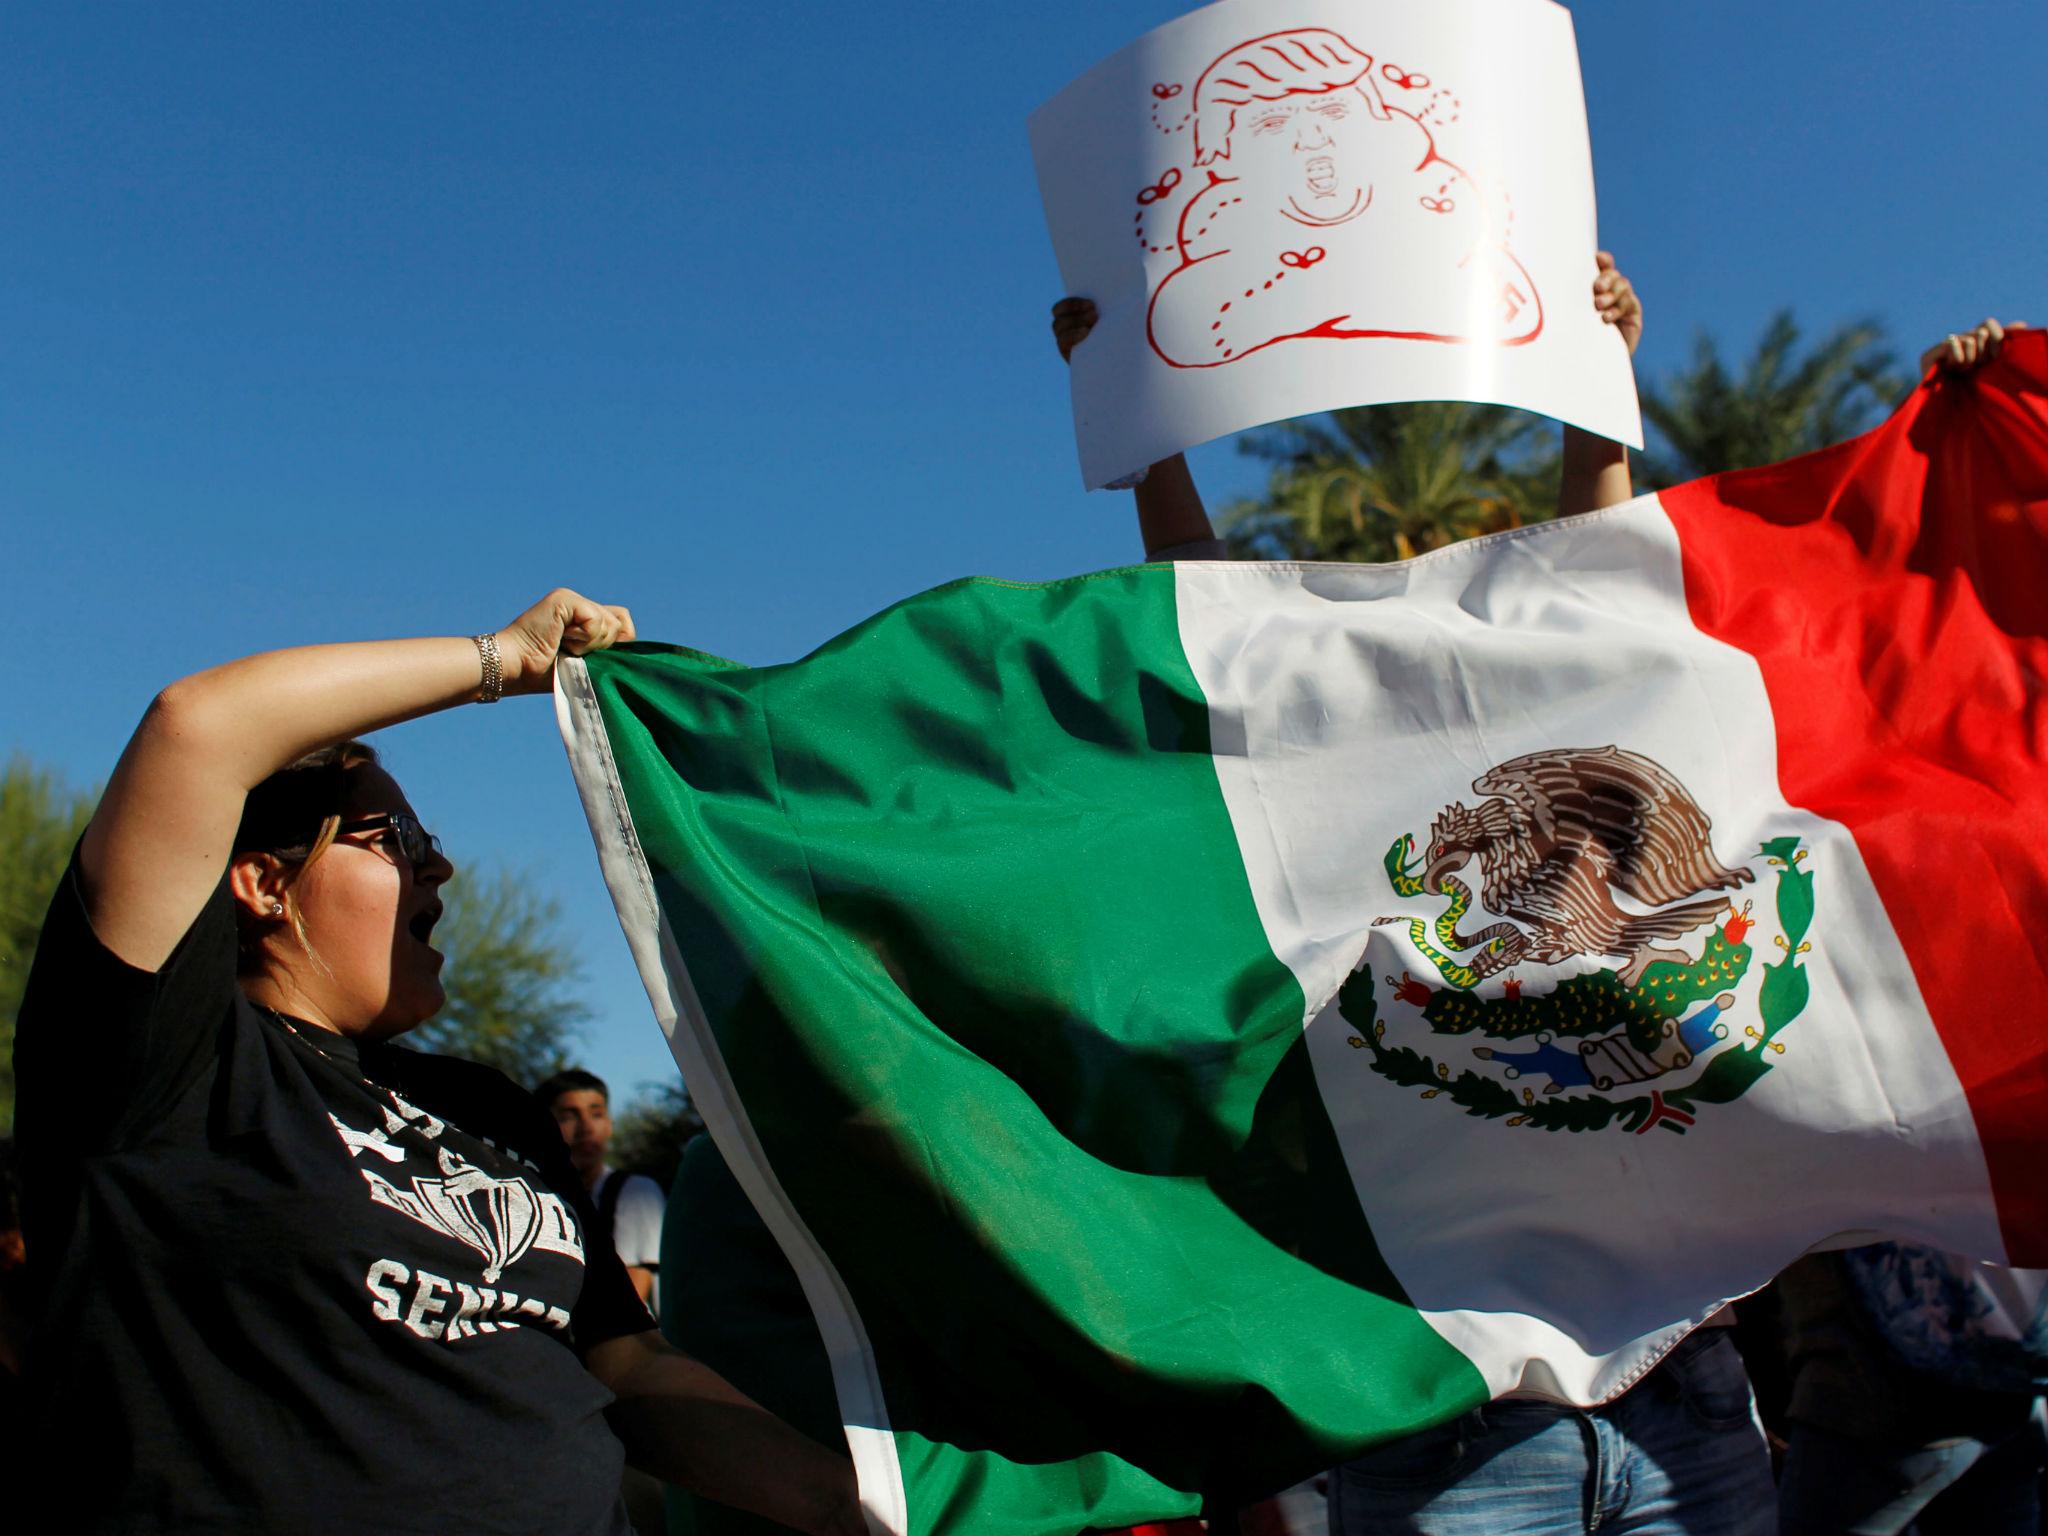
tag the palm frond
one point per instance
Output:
(1784, 402)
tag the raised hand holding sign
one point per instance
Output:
(1284, 208)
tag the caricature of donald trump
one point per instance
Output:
(1324, 212)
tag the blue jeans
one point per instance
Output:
(1959, 1486)
(1680, 1454)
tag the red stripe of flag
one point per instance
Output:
(1894, 590)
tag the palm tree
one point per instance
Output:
(1780, 406)
(1388, 482)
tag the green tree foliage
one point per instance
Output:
(1387, 482)
(513, 978)
(1780, 404)
(648, 1135)
(40, 819)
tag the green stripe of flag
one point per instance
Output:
(965, 912)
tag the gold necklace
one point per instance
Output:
(290, 1027)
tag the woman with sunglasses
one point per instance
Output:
(294, 1276)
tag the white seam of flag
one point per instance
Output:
(674, 997)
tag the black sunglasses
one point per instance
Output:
(416, 845)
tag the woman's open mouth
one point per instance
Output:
(421, 926)
(1321, 173)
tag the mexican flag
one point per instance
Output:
(1189, 1023)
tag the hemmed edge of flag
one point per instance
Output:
(677, 1008)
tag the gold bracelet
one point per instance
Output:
(493, 688)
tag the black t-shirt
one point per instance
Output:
(290, 1283)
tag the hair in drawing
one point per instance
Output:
(1308, 61)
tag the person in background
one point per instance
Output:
(1678, 1454)
(1682, 1452)
(628, 1204)
(1916, 1377)
(1916, 1394)
(627, 1208)
(288, 1275)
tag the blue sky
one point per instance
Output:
(331, 322)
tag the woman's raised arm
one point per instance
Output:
(160, 839)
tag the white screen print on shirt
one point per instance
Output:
(1282, 208)
(495, 1221)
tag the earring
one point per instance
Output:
(277, 909)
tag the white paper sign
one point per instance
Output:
(1287, 206)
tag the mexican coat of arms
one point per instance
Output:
(1585, 855)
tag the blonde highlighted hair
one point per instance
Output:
(1303, 61)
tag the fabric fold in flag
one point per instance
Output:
(1189, 1023)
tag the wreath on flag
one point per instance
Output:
(1622, 1035)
